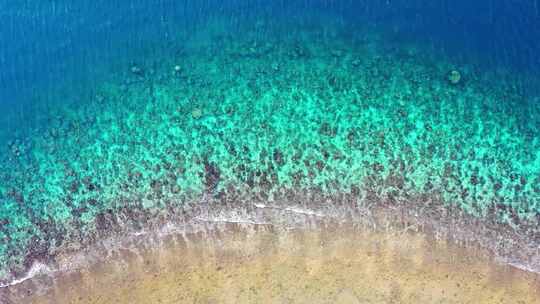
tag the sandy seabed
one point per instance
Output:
(329, 263)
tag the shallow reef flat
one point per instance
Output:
(317, 117)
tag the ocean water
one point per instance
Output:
(123, 117)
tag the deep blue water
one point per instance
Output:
(46, 41)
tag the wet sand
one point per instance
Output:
(330, 263)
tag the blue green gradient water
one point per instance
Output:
(254, 111)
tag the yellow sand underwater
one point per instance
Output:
(330, 263)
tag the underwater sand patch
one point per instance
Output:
(228, 257)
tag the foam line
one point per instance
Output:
(35, 270)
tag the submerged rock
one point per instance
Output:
(454, 77)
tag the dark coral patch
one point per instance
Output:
(212, 176)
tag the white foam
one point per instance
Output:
(523, 267)
(528, 267)
(224, 219)
(298, 210)
(304, 211)
(35, 270)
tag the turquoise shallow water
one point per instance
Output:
(237, 117)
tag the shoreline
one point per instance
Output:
(241, 264)
(209, 229)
